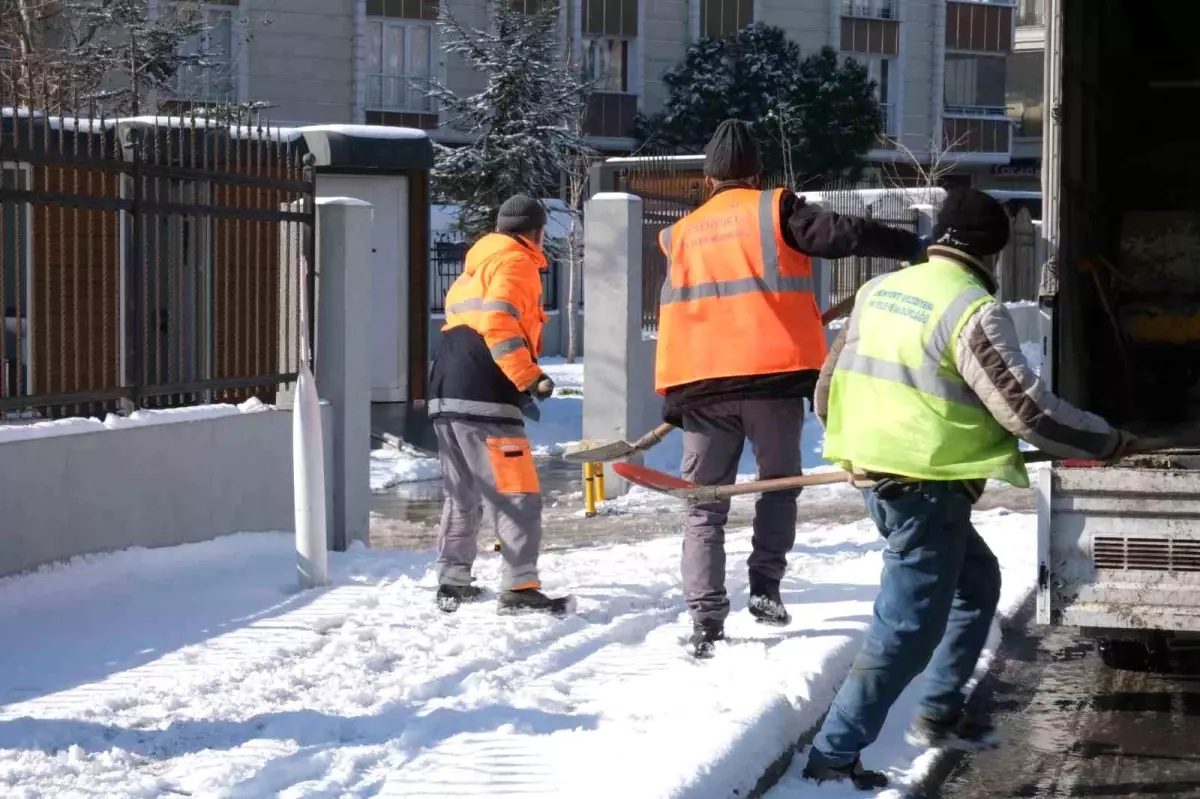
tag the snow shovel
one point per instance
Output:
(677, 487)
(600, 451)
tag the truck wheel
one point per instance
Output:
(1123, 654)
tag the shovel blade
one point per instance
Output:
(596, 451)
(652, 478)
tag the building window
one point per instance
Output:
(720, 19)
(400, 65)
(214, 81)
(607, 63)
(871, 9)
(974, 85)
(610, 18)
(403, 9)
(882, 71)
(1025, 93)
(526, 6)
(1031, 13)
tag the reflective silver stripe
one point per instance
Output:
(766, 234)
(506, 346)
(497, 410)
(771, 282)
(943, 332)
(479, 304)
(927, 378)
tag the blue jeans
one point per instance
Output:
(936, 601)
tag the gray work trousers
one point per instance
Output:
(487, 467)
(713, 439)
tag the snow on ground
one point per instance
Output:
(200, 670)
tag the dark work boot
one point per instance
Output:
(962, 733)
(531, 600)
(449, 597)
(819, 771)
(704, 638)
(766, 605)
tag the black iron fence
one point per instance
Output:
(148, 262)
(673, 186)
(871, 199)
(447, 255)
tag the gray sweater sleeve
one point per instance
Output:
(989, 358)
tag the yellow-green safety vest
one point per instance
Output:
(897, 404)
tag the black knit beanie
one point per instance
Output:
(732, 152)
(971, 221)
(520, 213)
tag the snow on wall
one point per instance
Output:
(59, 427)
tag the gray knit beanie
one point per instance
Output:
(732, 152)
(520, 213)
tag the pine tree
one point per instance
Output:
(814, 116)
(111, 54)
(524, 125)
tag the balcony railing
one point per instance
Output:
(869, 9)
(981, 111)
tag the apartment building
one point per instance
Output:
(941, 65)
(1024, 97)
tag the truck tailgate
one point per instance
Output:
(1119, 548)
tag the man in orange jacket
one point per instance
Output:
(740, 345)
(484, 377)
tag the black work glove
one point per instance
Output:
(542, 388)
(1125, 442)
(918, 255)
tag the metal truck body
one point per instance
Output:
(1119, 546)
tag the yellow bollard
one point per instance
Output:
(589, 489)
(496, 546)
(599, 482)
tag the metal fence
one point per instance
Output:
(448, 254)
(863, 198)
(673, 186)
(149, 262)
(670, 187)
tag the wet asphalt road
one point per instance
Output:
(1075, 727)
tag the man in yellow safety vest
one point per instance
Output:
(926, 392)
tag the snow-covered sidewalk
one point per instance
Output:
(199, 670)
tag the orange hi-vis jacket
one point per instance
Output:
(737, 300)
(499, 296)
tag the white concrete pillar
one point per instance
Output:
(619, 402)
(926, 216)
(343, 367)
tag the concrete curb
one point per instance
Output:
(946, 761)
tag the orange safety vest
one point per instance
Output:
(499, 296)
(737, 300)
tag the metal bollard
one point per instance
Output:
(599, 482)
(589, 489)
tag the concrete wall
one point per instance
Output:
(155, 486)
(918, 74)
(665, 39)
(300, 56)
(806, 22)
